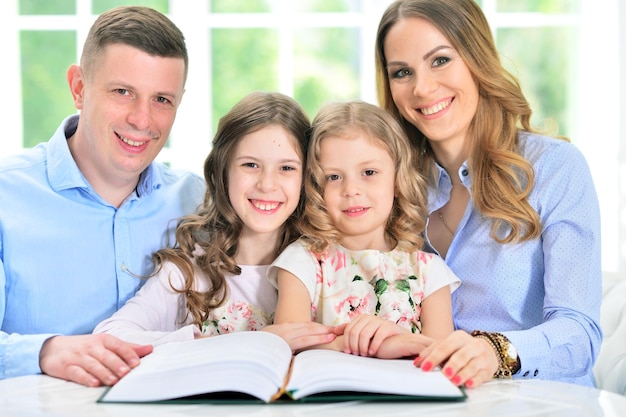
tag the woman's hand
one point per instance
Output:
(365, 334)
(463, 359)
(302, 335)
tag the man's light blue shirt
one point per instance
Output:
(70, 259)
(543, 294)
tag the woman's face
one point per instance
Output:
(430, 83)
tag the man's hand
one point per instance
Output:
(91, 360)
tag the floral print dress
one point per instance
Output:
(344, 283)
(250, 305)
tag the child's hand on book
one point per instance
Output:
(365, 334)
(302, 335)
(407, 345)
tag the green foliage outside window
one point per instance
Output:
(326, 66)
(243, 60)
(240, 6)
(44, 7)
(46, 99)
(326, 62)
(100, 6)
(545, 71)
(543, 6)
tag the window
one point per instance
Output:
(321, 50)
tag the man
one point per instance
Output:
(81, 214)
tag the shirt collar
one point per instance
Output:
(464, 173)
(149, 180)
(439, 192)
(62, 169)
(65, 174)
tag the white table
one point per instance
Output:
(40, 395)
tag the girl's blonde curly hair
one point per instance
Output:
(406, 222)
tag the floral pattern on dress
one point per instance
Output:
(389, 285)
(235, 316)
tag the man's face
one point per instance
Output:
(128, 104)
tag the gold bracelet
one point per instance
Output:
(485, 336)
(512, 363)
(506, 352)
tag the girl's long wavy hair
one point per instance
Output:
(502, 178)
(215, 227)
(407, 219)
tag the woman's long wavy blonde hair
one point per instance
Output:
(215, 227)
(407, 219)
(502, 178)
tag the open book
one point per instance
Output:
(258, 366)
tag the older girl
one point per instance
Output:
(214, 280)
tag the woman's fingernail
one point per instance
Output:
(456, 380)
(469, 383)
(427, 366)
(448, 371)
(417, 360)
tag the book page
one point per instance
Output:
(253, 363)
(317, 371)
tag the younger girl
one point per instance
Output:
(214, 280)
(359, 262)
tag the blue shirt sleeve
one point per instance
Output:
(68, 258)
(566, 344)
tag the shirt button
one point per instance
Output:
(536, 372)
(465, 172)
(526, 374)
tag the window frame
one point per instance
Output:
(597, 116)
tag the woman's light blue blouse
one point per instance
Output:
(544, 294)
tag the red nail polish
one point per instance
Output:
(456, 380)
(417, 360)
(448, 371)
(469, 383)
(427, 366)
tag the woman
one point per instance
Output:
(514, 213)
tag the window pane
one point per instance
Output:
(39, 7)
(244, 60)
(546, 72)
(45, 58)
(326, 6)
(326, 66)
(100, 6)
(240, 6)
(542, 6)
(264, 6)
